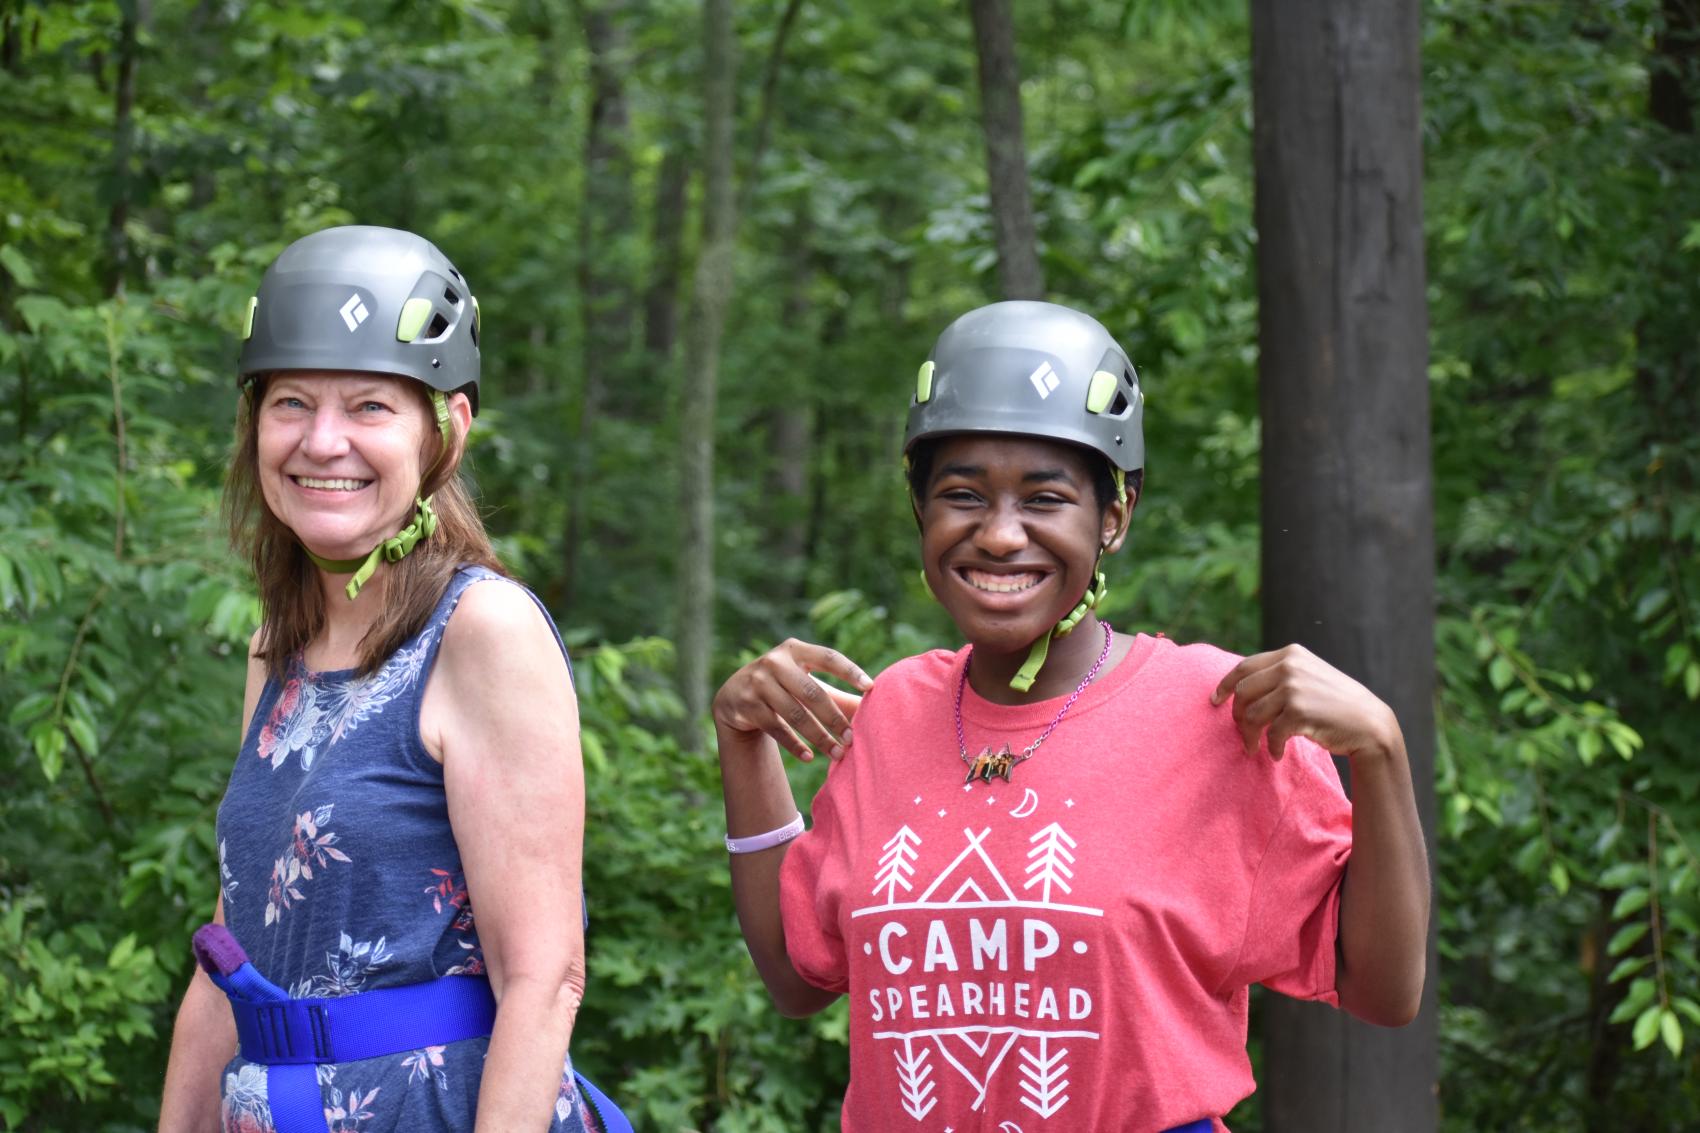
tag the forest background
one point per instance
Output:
(154, 158)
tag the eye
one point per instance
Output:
(289, 402)
(958, 496)
(373, 407)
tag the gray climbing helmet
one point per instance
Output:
(1034, 370)
(367, 299)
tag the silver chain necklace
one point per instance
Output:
(989, 764)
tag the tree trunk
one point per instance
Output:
(790, 419)
(667, 241)
(710, 297)
(11, 40)
(1019, 274)
(132, 15)
(605, 296)
(1347, 508)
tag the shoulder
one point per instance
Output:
(496, 627)
(921, 675)
(1195, 661)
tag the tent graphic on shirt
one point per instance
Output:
(972, 878)
(1035, 1046)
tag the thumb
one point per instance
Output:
(847, 702)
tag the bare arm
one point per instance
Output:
(203, 1039)
(501, 713)
(769, 702)
(1384, 904)
(1384, 901)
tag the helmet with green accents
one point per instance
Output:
(367, 299)
(1034, 370)
(1031, 369)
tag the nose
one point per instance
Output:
(327, 436)
(1001, 532)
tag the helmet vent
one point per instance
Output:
(1118, 406)
(439, 326)
(452, 296)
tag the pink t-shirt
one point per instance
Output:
(1070, 950)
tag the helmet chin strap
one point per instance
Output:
(397, 546)
(1041, 649)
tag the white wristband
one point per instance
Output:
(765, 841)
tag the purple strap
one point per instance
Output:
(216, 950)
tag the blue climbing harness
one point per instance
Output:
(292, 1037)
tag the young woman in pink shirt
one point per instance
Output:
(1046, 867)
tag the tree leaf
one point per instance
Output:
(1625, 937)
(1629, 901)
(1646, 1027)
(22, 271)
(1671, 1030)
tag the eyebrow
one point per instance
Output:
(975, 471)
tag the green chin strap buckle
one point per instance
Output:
(391, 550)
(1029, 671)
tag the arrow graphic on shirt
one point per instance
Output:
(912, 1075)
(1040, 1074)
(1052, 850)
(897, 864)
(983, 1055)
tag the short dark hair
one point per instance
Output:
(920, 472)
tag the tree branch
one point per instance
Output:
(769, 97)
(64, 690)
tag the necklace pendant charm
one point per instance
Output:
(989, 764)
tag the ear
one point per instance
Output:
(1116, 519)
(460, 416)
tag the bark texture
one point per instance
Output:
(1019, 274)
(133, 14)
(704, 325)
(667, 238)
(1347, 507)
(606, 298)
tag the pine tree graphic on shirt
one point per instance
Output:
(1051, 851)
(897, 864)
(960, 950)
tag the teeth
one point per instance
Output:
(1002, 583)
(332, 485)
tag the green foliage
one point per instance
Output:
(676, 1014)
(67, 1004)
(1568, 573)
(1561, 222)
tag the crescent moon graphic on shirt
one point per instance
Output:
(1029, 804)
(1010, 1126)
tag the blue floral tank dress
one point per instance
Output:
(339, 874)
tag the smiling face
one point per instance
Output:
(340, 456)
(1011, 529)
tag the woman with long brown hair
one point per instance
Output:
(398, 931)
